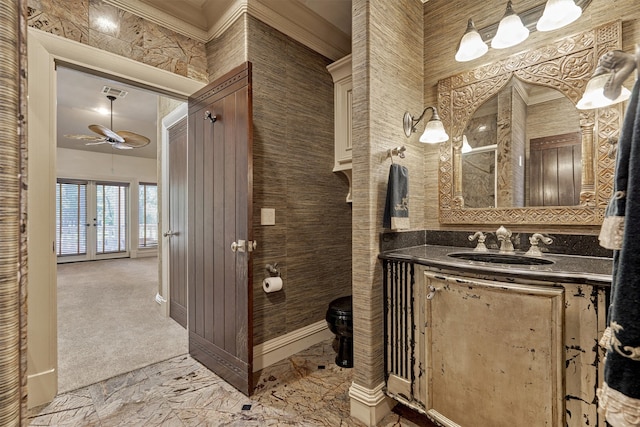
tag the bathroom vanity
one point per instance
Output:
(495, 342)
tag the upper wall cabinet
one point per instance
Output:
(342, 99)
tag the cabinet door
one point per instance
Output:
(494, 353)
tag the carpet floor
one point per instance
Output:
(109, 322)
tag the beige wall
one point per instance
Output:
(387, 81)
(228, 50)
(444, 25)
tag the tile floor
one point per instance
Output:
(307, 389)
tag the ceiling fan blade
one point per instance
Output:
(107, 133)
(86, 137)
(121, 146)
(97, 142)
(133, 140)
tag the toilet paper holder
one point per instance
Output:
(272, 269)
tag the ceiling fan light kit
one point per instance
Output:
(122, 139)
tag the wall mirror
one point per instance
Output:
(520, 152)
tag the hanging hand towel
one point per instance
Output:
(619, 397)
(396, 208)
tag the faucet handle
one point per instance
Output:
(536, 238)
(480, 247)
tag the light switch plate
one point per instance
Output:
(267, 216)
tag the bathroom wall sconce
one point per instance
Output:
(515, 28)
(511, 30)
(605, 86)
(558, 14)
(471, 44)
(434, 132)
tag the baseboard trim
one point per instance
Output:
(370, 405)
(43, 387)
(160, 299)
(280, 348)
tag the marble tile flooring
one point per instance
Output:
(307, 389)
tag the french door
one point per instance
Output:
(92, 220)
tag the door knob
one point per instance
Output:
(168, 233)
(238, 246)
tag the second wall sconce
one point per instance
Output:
(434, 132)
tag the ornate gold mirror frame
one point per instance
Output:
(565, 65)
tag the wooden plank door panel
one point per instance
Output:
(220, 195)
(177, 222)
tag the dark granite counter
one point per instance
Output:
(565, 268)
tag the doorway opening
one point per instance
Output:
(107, 214)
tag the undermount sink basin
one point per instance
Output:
(500, 258)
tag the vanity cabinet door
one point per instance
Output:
(494, 352)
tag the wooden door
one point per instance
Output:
(555, 166)
(220, 233)
(178, 222)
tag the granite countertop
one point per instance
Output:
(565, 268)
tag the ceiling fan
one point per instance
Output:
(122, 139)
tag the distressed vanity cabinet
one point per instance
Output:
(491, 352)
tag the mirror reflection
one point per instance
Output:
(524, 149)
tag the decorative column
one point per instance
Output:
(12, 212)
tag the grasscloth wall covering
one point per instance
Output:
(292, 163)
(387, 81)
(133, 37)
(445, 24)
(13, 245)
(228, 50)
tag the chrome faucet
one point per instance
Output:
(534, 250)
(480, 247)
(504, 237)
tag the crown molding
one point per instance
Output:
(302, 25)
(161, 18)
(290, 18)
(233, 12)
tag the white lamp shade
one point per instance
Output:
(465, 145)
(471, 47)
(434, 133)
(511, 31)
(557, 14)
(471, 44)
(594, 94)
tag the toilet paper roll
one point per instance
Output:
(272, 284)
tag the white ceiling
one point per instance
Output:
(79, 94)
